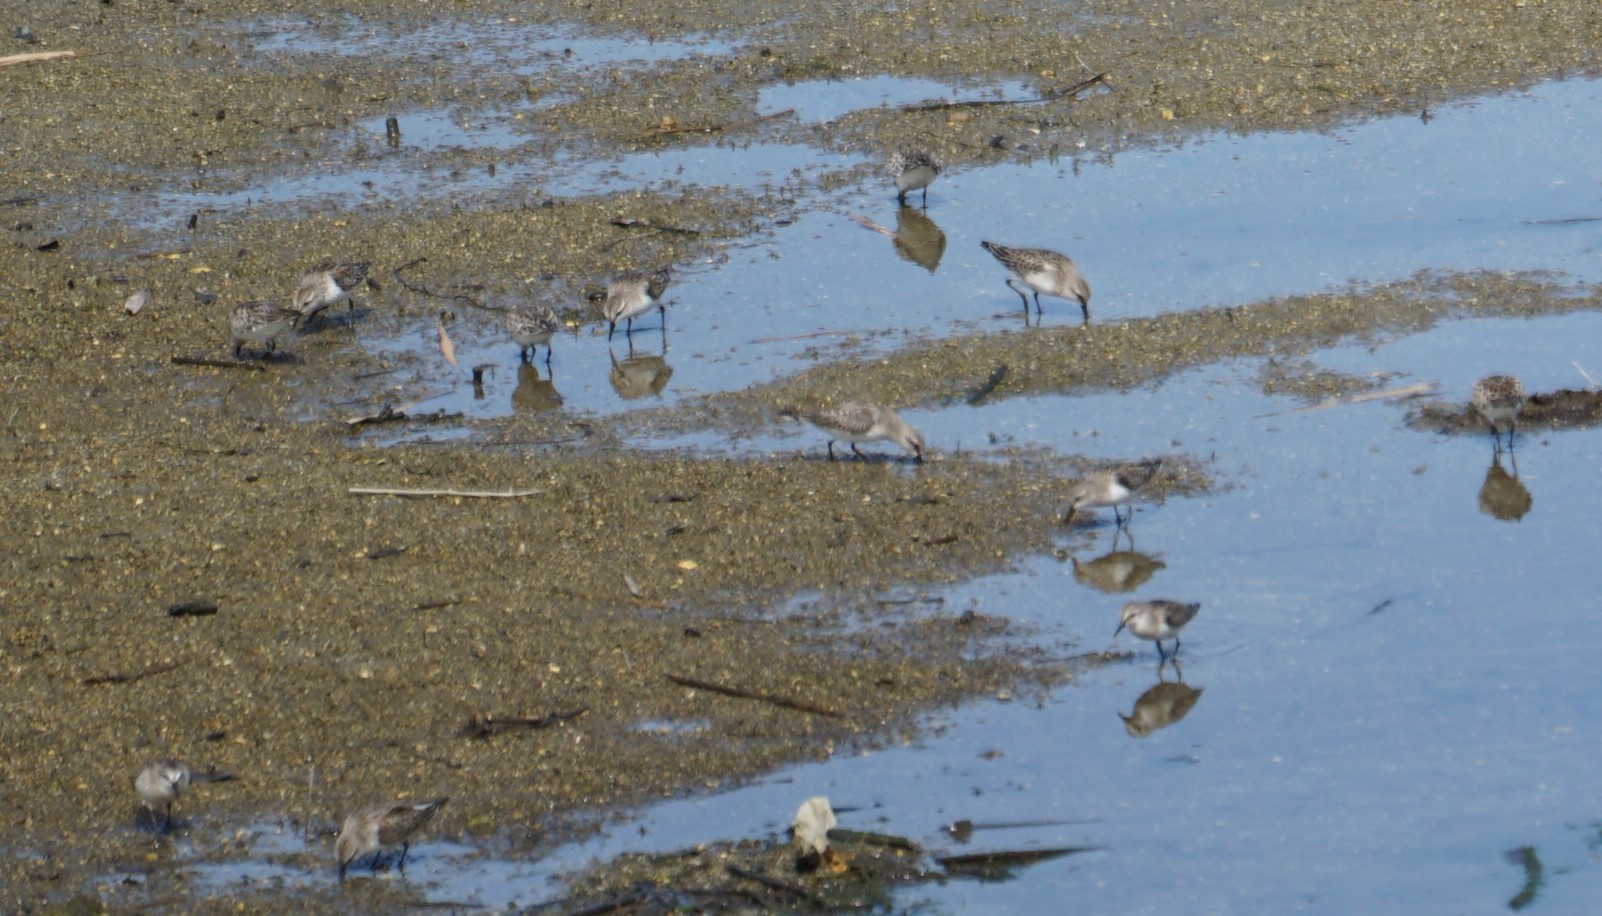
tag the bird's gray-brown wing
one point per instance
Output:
(1135, 476)
(349, 274)
(851, 418)
(1177, 613)
(403, 819)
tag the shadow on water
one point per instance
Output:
(1379, 695)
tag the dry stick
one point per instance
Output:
(458, 297)
(714, 128)
(399, 745)
(866, 223)
(1071, 91)
(752, 695)
(774, 883)
(763, 340)
(467, 494)
(129, 678)
(983, 391)
(489, 725)
(217, 363)
(1407, 391)
(1574, 362)
(34, 56)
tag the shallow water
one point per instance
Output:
(1392, 678)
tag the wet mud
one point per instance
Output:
(355, 635)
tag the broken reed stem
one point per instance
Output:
(465, 494)
(743, 694)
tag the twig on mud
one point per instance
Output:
(128, 678)
(667, 130)
(764, 340)
(458, 297)
(629, 222)
(1406, 391)
(400, 745)
(775, 883)
(798, 705)
(34, 57)
(1071, 91)
(489, 725)
(217, 363)
(465, 494)
(393, 414)
(983, 391)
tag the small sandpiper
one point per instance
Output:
(375, 827)
(856, 421)
(1042, 271)
(260, 322)
(913, 170)
(1114, 486)
(329, 283)
(1499, 398)
(161, 782)
(1157, 620)
(531, 327)
(632, 294)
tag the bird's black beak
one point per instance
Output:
(1120, 628)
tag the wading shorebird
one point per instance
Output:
(856, 421)
(259, 322)
(375, 827)
(913, 170)
(1157, 620)
(632, 294)
(1114, 486)
(1499, 399)
(329, 283)
(531, 327)
(1042, 271)
(161, 782)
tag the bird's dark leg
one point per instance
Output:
(1021, 295)
(548, 352)
(857, 452)
(238, 349)
(831, 449)
(401, 867)
(342, 867)
(926, 197)
(1037, 302)
(901, 198)
(1161, 655)
(1085, 308)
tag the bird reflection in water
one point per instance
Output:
(639, 376)
(534, 394)
(1160, 706)
(1118, 571)
(918, 239)
(1503, 495)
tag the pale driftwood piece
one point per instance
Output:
(848, 333)
(1581, 369)
(31, 57)
(465, 494)
(866, 223)
(1406, 391)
